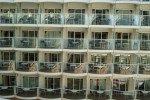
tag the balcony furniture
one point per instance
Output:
(32, 67)
(5, 20)
(55, 68)
(125, 21)
(146, 20)
(99, 20)
(74, 43)
(126, 70)
(10, 65)
(145, 93)
(52, 19)
(100, 93)
(79, 69)
(98, 44)
(4, 87)
(75, 19)
(27, 20)
(146, 71)
(102, 70)
(49, 44)
(26, 89)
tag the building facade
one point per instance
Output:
(75, 49)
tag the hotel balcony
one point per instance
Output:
(48, 43)
(99, 94)
(126, 44)
(6, 65)
(123, 95)
(50, 93)
(74, 93)
(26, 92)
(125, 69)
(101, 44)
(125, 19)
(75, 19)
(145, 45)
(7, 90)
(145, 20)
(144, 69)
(100, 68)
(26, 66)
(6, 18)
(101, 19)
(75, 43)
(51, 18)
(6, 42)
(50, 67)
(26, 18)
(25, 42)
(76, 68)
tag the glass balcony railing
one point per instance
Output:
(126, 69)
(144, 69)
(50, 67)
(101, 19)
(7, 90)
(99, 94)
(50, 43)
(27, 18)
(6, 18)
(145, 45)
(6, 41)
(126, 19)
(101, 44)
(71, 43)
(26, 66)
(142, 95)
(51, 18)
(123, 95)
(100, 68)
(26, 92)
(145, 0)
(125, 44)
(74, 94)
(77, 68)
(145, 20)
(50, 93)
(6, 65)
(25, 42)
(75, 19)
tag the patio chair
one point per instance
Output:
(32, 67)
(55, 68)
(78, 69)
(10, 65)
(102, 70)
(125, 70)
(146, 71)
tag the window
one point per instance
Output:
(52, 83)
(76, 35)
(29, 33)
(30, 56)
(78, 11)
(100, 35)
(75, 58)
(124, 11)
(52, 34)
(144, 36)
(102, 11)
(52, 10)
(122, 59)
(120, 84)
(99, 59)
(8, 55)
(52, 57)
(29, 10)
(29, 82)
(74, 84)
(145, 59)
(143, 85)
(7, 10)
(97, 84)
(8, 80)
(8, 33)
